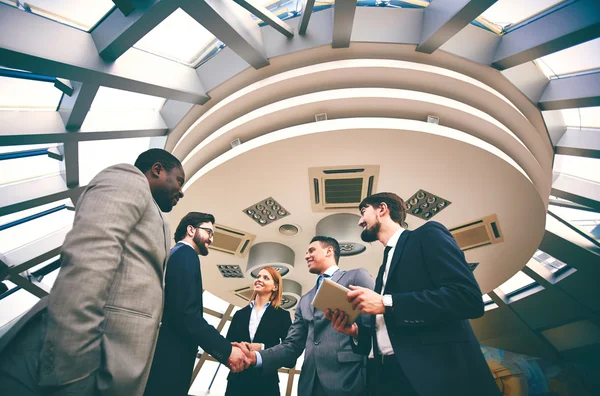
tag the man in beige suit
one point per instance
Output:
(98, 333)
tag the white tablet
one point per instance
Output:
(333, 296)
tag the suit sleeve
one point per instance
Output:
(364, 279)
(456, 295)
(107, 212)
(185, 292)
(286, 353)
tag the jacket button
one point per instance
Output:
(317, 342)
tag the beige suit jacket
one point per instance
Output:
(105, 308)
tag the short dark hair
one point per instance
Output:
(394, 203)
(150, 157)
(192, 219)
(329, 242)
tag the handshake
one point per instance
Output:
(242, 356)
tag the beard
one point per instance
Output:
(370, 234)
(201, 243)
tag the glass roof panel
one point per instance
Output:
(204, 378)
(81, 14)
(585, 220)
(21, 169)
(94, 156)
(581, 167)
(519, 281)
(486, 298)
(510, 12)
(585, 117)
(116, 99)
(30, 231)
(16, 304)
(580, 58)
(179, 37)
(550, 263)
(20, 94)
(213, 302)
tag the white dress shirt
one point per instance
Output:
(255, 317)
(383, 338)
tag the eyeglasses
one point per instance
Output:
(209, 231)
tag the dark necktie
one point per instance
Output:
(379, 280)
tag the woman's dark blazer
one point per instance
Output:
(272, 329)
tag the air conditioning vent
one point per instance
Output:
(339, 187)
(231, 241)
(482, 232)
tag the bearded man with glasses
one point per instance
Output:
(183, 325)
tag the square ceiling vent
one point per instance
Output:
(266, 211)
(230, 271)
(478, 233)
(425, 205)
(231, 241)
(341, 187)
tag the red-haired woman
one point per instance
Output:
(262, 323)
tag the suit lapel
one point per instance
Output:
(262, 327)
(245, 318)
(399, 249)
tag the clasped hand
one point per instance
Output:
(242, 356)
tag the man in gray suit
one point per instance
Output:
(98, 328)
(330, 367)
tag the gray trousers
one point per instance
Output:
(20, 361)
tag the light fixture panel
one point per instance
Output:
(426, 205)
(266, 211)
(230, 271)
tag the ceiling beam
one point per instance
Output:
(443, 19)
(343, 19)
(16, 197)
(567, 26)
(579, 143)
(125, 6)
(70, 163)
(232, 25)
(577, 190)
(40, 127)
(118, 32)
(46, 47)
(307, 9)
(571, 92)
(267, 17)
(73, 108)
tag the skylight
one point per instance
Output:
(179, 37)
(19, 94)
(581, 58)
(581, 167)
(116, 99)
(505, 13)
(517, 283)
(585, 117)
(80, 14)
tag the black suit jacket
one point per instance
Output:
(434, 293)
(272, 330)
(183, 327)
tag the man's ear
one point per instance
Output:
(383, 209)
(156, 169)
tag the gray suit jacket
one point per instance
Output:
(105, 308)
(328, 354)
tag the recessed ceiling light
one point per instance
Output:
(288, 230)
(266, 211)
(419, 203)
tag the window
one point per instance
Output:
(586, 117)
(586, 221)
(94, 156)
(11, 307)
(116, 99)
(213, 302)
(180, 38)
(80, 14)
(506, 13)
(550, 263)
(582, 58)
(519, 283)
(17, 94)
(581, 167)
(50, 221)
(33, 162)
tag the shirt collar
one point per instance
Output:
(187, 243)
(331, 270)
(266, 305)
(394, 239)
